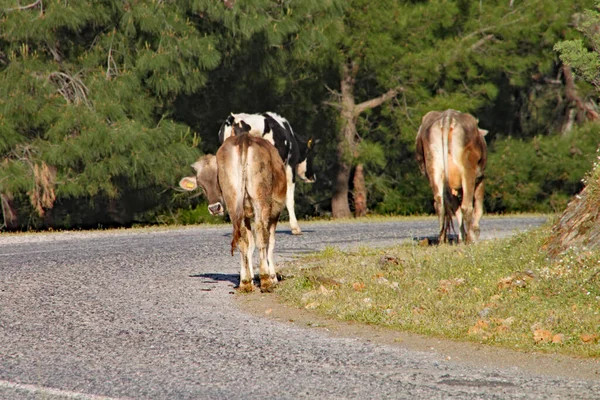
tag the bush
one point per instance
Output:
(197, 214)
(539, 175)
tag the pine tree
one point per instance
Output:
(85, 91)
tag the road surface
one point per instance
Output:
(151, 314)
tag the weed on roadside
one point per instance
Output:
(504, 292)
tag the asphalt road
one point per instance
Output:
(150, 314)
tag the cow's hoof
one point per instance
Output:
(296, 231)
(246, 287)
(268, 283)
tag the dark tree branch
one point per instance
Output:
(27, 7)
(333, 104)
(481, 42)
(377, 101)
(572, 95)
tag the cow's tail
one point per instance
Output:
(447, 125)
(237, 218)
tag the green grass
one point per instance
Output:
(503, 292)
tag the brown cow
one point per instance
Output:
(249, 175)
(451, 152)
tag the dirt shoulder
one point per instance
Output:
(271, 307)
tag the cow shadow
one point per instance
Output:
(232, 278)
(278, 232)
(289, 232)
(434, 240)
(216, 278)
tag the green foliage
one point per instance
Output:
(371, 154)
(539, 174)
(114, 100)
(191, 215)
(576, 54)
(84, 89)
(501, 292)
(573, 52)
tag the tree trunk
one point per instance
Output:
(346, 144)
(9, 214)
(360, 192)
(348, 139)
(578, 227)
(339, 202)
(584, 108)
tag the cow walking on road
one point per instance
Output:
(249, 176)
(452, 153)
(295, 151)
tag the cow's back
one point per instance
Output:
(254, 121)
(462, 135)
(252, 179)
(467, 142)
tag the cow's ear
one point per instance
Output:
(188, 183)
(311, 143)
(483, 132)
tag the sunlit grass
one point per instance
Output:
(504, 292)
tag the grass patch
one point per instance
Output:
(502, 292)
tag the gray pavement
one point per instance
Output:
(149, 314)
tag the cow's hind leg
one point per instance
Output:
(246, 247)
(262, 240)
(456, 206)
(440, 209)
(289, 201)
(478, 209)
(468, 185)
(270, 251)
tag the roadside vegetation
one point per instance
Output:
(502, 292)
(104, 105)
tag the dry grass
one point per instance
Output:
(505, 292)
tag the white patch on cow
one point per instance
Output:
(280, 120)
(227, 131)
(269, 138)
(289, 201)
(256, 122)
(301, 172)
(197, 166)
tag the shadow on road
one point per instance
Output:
(434, 240)
(215, 278)
(289, 232)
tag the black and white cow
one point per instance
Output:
(295, 151)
